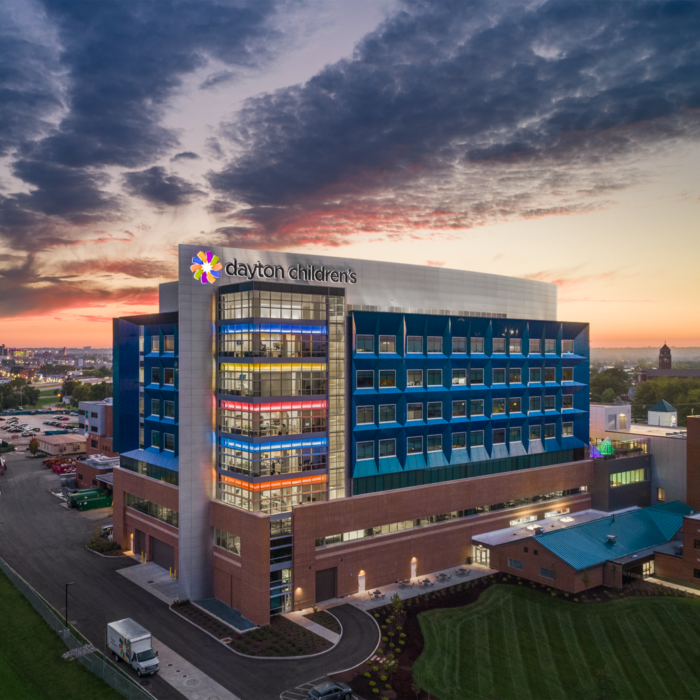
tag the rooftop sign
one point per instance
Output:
(296, 273)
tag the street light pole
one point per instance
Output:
(68, 584)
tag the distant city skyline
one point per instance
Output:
(556, 141)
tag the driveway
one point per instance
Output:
(45, 544)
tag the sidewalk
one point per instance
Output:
(364, 602)
(678, 587)
(154, 579)
(314, 627)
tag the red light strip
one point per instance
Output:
(274, 484)
(258, 407)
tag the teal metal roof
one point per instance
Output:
(662, 407)
(586, 545)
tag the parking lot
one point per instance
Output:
(36, 421)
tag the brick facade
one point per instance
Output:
(386, 558)
(681, 568)
(99, 445)
(693, 463)
(86, 476)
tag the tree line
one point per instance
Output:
(682, 394)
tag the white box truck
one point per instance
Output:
(130, 642)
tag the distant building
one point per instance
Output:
(27, 372)
(666, 369)
(662, 413)
(64, 352)
(96, 419)
(57, 445)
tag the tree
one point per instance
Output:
(33, 446)
(682, 394)
(616, 379)
(68, 386)
(608, 396)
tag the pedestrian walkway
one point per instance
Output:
(186, 678)
(677, 586)
(314, 627)
(154, 579)
(412, 589)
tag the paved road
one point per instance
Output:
(45, 543)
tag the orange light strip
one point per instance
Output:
(260, 407)
(321, 478)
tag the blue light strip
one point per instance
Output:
(273, 446)
(273, 328)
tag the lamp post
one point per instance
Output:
(68, 584)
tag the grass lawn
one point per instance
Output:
(517, 643)
(31, 667)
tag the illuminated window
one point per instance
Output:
(515, 346)
(365, 414)
(155, 343)
(414, 411)
(459, 409)
(414, 377)
(514, 405)
(169, 376)
(387, 343)
(387, 378)
(499, 406)
(168, 343)
(535, 346)
(660, 494)
(477, 345)
(365, 343)
(567, 374)
(499, 345)
(567, 429)
(549, 430)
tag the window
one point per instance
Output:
(93, 443)
(499, 376)
(476, 376)
(550, 374)
(414, 343)
(414, 411)
(365, 450)
(434, 343)
(459, 345)
(155, 438)
(459, 377)
(387, 343)
(549, 431)
(365, 379)
(414, 445)
(567, 401)
(515, 346)
(434, 409)
(515, 564)
(364, 343)
(550, 346)
(660, 494)
(476, 406)
(387, 414)
(387, 448)
(93, 414)
(141, 373)
(434, 377)
(477, 344)
(141, 437)
(365, 414)
(550, 403)
(535, 347)
(567, 374)
(155, 343)
(414, 377)
(169, 376)
(387, 378)
(499, 406)
(499, 345)
(514, 375)
(168, 409)
(567, 346)
(155, 407)
(696, 544)
(514, 405)
(434, 443)
(459, 409)
(634, 476)
(696, 573)
(546, 573)
(459, 441)
(141, 339)
(514, 435)
(169, 441)
(93, 428)
(535, 432)
(567, 429)
(168, 343)
(476, 438)
(227, 541)
(155, 375)
(535, 375)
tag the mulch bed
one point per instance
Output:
(280, 638)
(321, 617)
(457, 596)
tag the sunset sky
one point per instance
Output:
(557, 141)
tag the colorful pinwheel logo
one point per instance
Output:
(206, 267)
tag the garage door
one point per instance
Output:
(162, 554)
(325, 584)
(139, 542)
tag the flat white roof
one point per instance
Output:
(521, 532)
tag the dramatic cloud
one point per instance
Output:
(455, 114)
(155, 185)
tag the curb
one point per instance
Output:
(379, 641)
(270, 658)
(106, 556)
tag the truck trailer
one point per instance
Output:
(130, 642)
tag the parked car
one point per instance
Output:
(74, 413)
(330, 691)
(27, 434)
